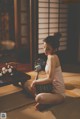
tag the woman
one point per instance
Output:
(54, 74)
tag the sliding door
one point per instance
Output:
(52, 17)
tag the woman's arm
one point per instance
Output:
(48, 79)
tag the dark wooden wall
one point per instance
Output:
(73, 32)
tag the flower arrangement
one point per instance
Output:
(8, 69)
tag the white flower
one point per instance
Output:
(9, 70)
(8, 66)
(3, 69)
(4, 72)
(11, 74)
(0, 74)
(11, 66)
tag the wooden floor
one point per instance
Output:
(71, 80)
(72, 84)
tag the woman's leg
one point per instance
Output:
(46, 100)
(27, 88)
(49, 98)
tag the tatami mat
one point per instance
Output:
(70, 109)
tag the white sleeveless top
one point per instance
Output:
(57, 80)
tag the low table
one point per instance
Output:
(14, 79)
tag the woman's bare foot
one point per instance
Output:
(42, 107)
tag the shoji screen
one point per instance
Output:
(52, 17)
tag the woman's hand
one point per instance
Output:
(33, 85)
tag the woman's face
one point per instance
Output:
(48, 49)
